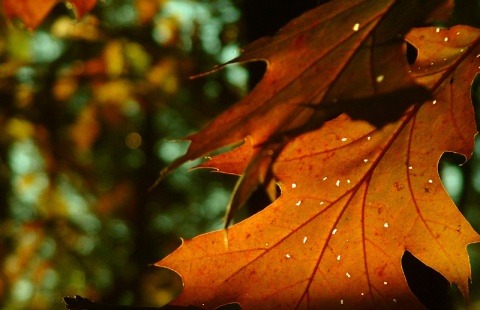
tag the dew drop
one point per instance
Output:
(321, 202)
(362, 294)
(380, 78)
(294, 185)
(394, 300)
(341, 302)
(334, 231)
(356, 27)
(299, 203)
(434, 102)
(461, 51)
(478, 56)
(430, 181)
(385, 283)
(458, 33)
(338, 257)
(266, 244)
(348, 275)
(348, 181)
(325, 178)
(287, 256)
(338, 183)
(344, 139)
(437, 30)
(304, 239)
(446, 39)
(368, 138)
(385, 225)
(410, 167)
(365, 160)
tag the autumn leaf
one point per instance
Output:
(344, 56)
(354, 198)
(33, 12)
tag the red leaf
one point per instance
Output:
(345, 56)
(82, 7)
(30, 12)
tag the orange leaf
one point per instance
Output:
(354, 198)
(344, 56)
(233, 162)
(30, 12)
(33, 12)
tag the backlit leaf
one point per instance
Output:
(354, 198)
(345, 56)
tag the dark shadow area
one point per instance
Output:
(234, 306)
(384, 108)
(265, 18)
(431, 288)
(411, 53)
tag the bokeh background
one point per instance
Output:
(89, 114)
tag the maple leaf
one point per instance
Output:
(33, 12)
(354, 198)
(344, 56)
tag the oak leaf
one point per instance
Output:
(355, 197)
(344, 56)
(33, 12)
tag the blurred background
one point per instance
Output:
(89, 114)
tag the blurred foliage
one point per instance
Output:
(89, 112)
(89, 109)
